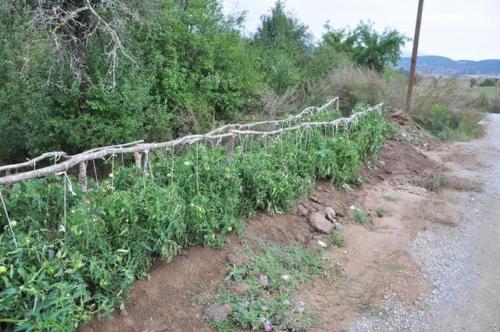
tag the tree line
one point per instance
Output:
(76, 74)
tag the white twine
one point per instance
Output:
(346, 123)
(112, 175)
(65, 223)
(68, 186)
(56, 159)
(95, 173)
(147, 165)
(8, 219)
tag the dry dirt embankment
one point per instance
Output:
(460, 257)
(375, 280)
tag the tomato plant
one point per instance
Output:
(70, 266)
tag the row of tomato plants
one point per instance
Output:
(78, 254)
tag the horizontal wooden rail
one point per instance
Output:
(305, 113)
(139, 147)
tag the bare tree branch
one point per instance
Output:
(135, 147)
(72, 27)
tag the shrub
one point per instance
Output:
(338, 239)
(354, 84)
(494, 105)
(367, 47)
(446, 109)
(488, 82)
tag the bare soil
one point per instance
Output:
(458, 248)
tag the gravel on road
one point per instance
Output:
(461, 264)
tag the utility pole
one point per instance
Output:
(411, 78)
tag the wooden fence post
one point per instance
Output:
(230, 149)
(138, 158)
(82, 176)
(146, 162)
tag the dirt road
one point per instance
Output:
(461, 263)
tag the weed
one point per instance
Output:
(392, 198)
(445, 109)
(286, 268)
(337, 239)
(374, 311)
(361, 217)
(195, 298)
(381, 212)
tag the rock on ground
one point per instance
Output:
(218, 311)
(319, 222)
(331, 214)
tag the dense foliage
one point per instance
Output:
(72, 79)
(284, 46)
(365, 46)
(78, 255)
(188, 67)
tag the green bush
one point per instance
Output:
(439, 119)
(446, 125)
(79, 254)
(488, 82)
(283, 46)
(447, 109)
(191, 69)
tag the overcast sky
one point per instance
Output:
(459, 29)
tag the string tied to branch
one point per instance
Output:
(11, 228)
(68, 186)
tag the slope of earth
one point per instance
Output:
(375, 259)
(460, 255)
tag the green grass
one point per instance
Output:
(392, 198)
(70, 266)
(287, 267)
(381, 212)
(445, 124)
(488, 91)
(338, 239)
(361, 217)
(487, 98)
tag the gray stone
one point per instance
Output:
(218, 311)
(330, 214)
(339, 213)
(303, 238)
(338, 226)
(316, 206)
(263, 281)
(319, 222)
(268, 326)
(302, 210)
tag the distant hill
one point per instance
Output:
(440, 65)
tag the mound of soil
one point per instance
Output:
(398, 158)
